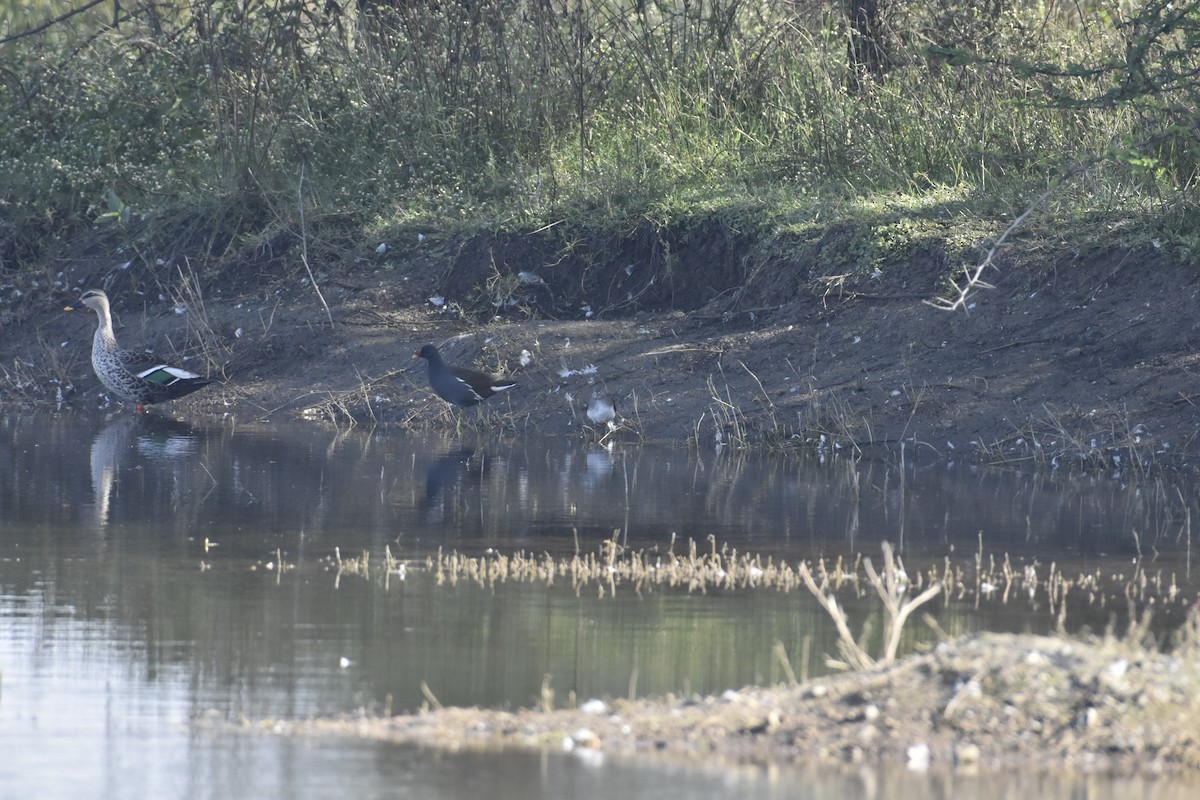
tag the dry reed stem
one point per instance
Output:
(712, 568)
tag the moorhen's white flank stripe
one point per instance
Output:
(460, 386)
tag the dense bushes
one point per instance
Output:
(531, 110)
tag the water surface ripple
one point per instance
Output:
(154, 571)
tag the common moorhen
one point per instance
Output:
(460, 386)
(133, 377)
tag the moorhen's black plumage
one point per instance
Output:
(460, 386)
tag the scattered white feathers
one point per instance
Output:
(566, 372)
(600, 410)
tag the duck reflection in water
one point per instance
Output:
(123, 439)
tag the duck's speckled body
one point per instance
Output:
(133, 377)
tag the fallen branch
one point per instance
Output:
(972, 280)
(855, 656)
(891, 587)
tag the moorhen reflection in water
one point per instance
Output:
(447, 472)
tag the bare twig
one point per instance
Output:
(429, 695)
(972, 280)
(762, 389)
(891, 588)
(51, 22)
(851, 650)
(304, 247)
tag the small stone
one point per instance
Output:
(585, 737)
(594, 707)
(918, 757)
(966, 753)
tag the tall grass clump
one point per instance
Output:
(470, 112)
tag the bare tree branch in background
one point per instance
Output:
(61, 18)
(972, 281)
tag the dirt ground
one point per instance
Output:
(1068, 357)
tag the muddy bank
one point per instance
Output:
(987, 702)
(1070, 359)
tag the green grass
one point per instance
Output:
(515, 115)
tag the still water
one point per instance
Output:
(154, 573)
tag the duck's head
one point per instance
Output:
(93, 299)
